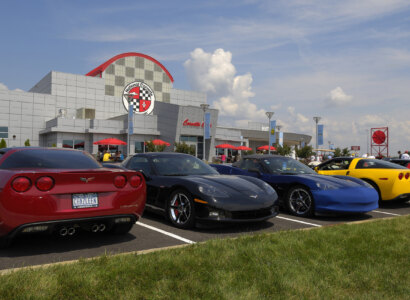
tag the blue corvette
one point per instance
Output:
(301, 190)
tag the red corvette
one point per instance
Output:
(62, 191)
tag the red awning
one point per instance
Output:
(159, 142)
(110, 141)
(266, 147)
(225, 146)
(243, 148)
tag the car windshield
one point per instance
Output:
(181, 165)
(286, 165)
(49, 159)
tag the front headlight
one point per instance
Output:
(212, 191)
(325, 186)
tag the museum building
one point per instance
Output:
(75, 111)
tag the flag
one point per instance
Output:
(281, 138)
(207, 126)
(272, 133)
(320, 134)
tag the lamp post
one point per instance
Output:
(204, 107)
(316, 119)
(269, 114)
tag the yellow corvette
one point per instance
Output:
(391, 181)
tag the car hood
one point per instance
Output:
(326, 179)
(243, 194)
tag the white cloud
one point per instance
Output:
(214, 74)
(337, 97)
(3, 86)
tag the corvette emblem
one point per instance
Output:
(140, 95)
(86, 180)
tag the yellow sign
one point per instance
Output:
(272, 131)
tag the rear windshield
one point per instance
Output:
(377, 164)
(50, 159)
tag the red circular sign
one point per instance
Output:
(379, 137)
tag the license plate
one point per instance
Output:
(85, 200)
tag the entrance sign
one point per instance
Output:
(141, 96)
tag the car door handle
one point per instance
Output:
(347, 173)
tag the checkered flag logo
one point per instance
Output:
(140, 96)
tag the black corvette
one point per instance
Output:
(187, 190)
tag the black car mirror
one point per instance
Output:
(146, 176)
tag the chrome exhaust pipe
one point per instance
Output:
(63, 231)
(102, 227)
(71, 231)
(95, 228)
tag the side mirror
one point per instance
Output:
(147, 177)
(316, 169)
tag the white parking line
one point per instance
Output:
(386, 213)
(297, 221)
(166, 233)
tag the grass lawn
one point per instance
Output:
(367, 261)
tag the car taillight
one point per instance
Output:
(21, 184)
(120, 181)
(407, 175)
(401, 176)
(135, 181)
(44, 183)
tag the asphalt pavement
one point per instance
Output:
(153, 232)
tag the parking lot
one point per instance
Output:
(153, 232)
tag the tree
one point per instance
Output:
(338, 152)
(305, 152)
(284, 150)
(345, 152)
(150, 147)
(27, 143)
(184, 148)
(3, 144)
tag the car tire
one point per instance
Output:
(181, 209)
(119, 229)
(299, 202)
(4, 242)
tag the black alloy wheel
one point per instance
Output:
(299, 202)
(181, 210)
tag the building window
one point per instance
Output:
(157, 68)
(129, 72)
(149, 75)
(158, 86)
(139, 63)
(73, 144)
(120, 62)
(139, 147)
(186, 138)
(4, 132)
(68, 144)
(110, 69)
(119, 80)
(109, 90)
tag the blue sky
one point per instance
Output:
(346, 61)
